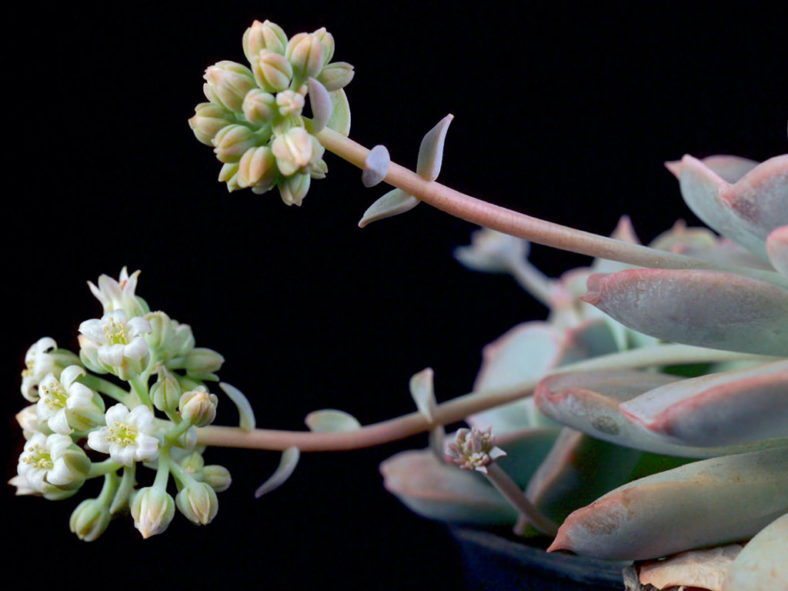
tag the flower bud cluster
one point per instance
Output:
(133, 396)
(254, 119)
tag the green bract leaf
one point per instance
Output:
(709, 502)
(322, 105)
(431, 150)
(331, 420)
(706, 308)
(376, 166)
(340, 112)
(718, 409)
(245, 412)
(287, 466)
(392, 203)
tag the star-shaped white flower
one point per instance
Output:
(128, 435)
(38, 363)
(49, 463)
(65, 401)
(118, 295)
(474, 449)
(117, 343)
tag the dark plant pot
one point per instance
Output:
(495, 562)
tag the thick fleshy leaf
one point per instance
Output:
(423, 392)
(777, 249)
(704, 503)
(572, 476)
(745, 211)
(331, 420)
(440, 491)
(728, 168)
(320, 102)
(340, 112)
(431, 150)
(696, 307)
(590, 402)
(526, 352)
(287, 465)
(437, 490)
(392, 203)
(718, 409)
(376, 166)
(704, 569)
(761, 564)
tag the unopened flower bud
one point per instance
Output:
(229, 175)
(166, 392)
(257, 167)
(337, 75)
(258, 106)
(293, 189)
(265, 35)
(217, 477)
(327, 41)
(198, 502)
(198, 406)
(208, 120)
(232, 141)
(289, 103)
(193, 463)
(152, 509)
(201, 360)
(272, 71)
(228, 83)
(305, 53)
(90, 519)
(293, 150)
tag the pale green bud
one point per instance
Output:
(208, 120)
(272, 71)
(228, 82)
(293, 150)
(193, 464)
(305, 53)
(337, 75)
(265, 35)
(229, 174)
(294, 188)
(217, 477)
(152, 509)
(289, 103)
(258, 106)
(166, 392)
(90, 519)
(317, 166)
(257, 167)
(327, 41)
(198, 407)
(198, 502)
(232, 141)
(201, 360)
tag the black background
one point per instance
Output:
(566, 113)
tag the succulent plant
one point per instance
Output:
(647, 416)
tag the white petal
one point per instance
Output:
(138, 325)
(111, 355)
(117, 413)
(93, 330)
(69, 375)
(147, 447)
(60, 474)
(59, 423)
(79, 396)
(142, 418)
(123, 455)
(97, 440)
(136, 349)
(57, 444)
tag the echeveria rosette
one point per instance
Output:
(254, 118)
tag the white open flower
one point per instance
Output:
(38, 363)
(118, 295)
(128, 435)
(117, 343)
(65, 404)
(51, 465)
